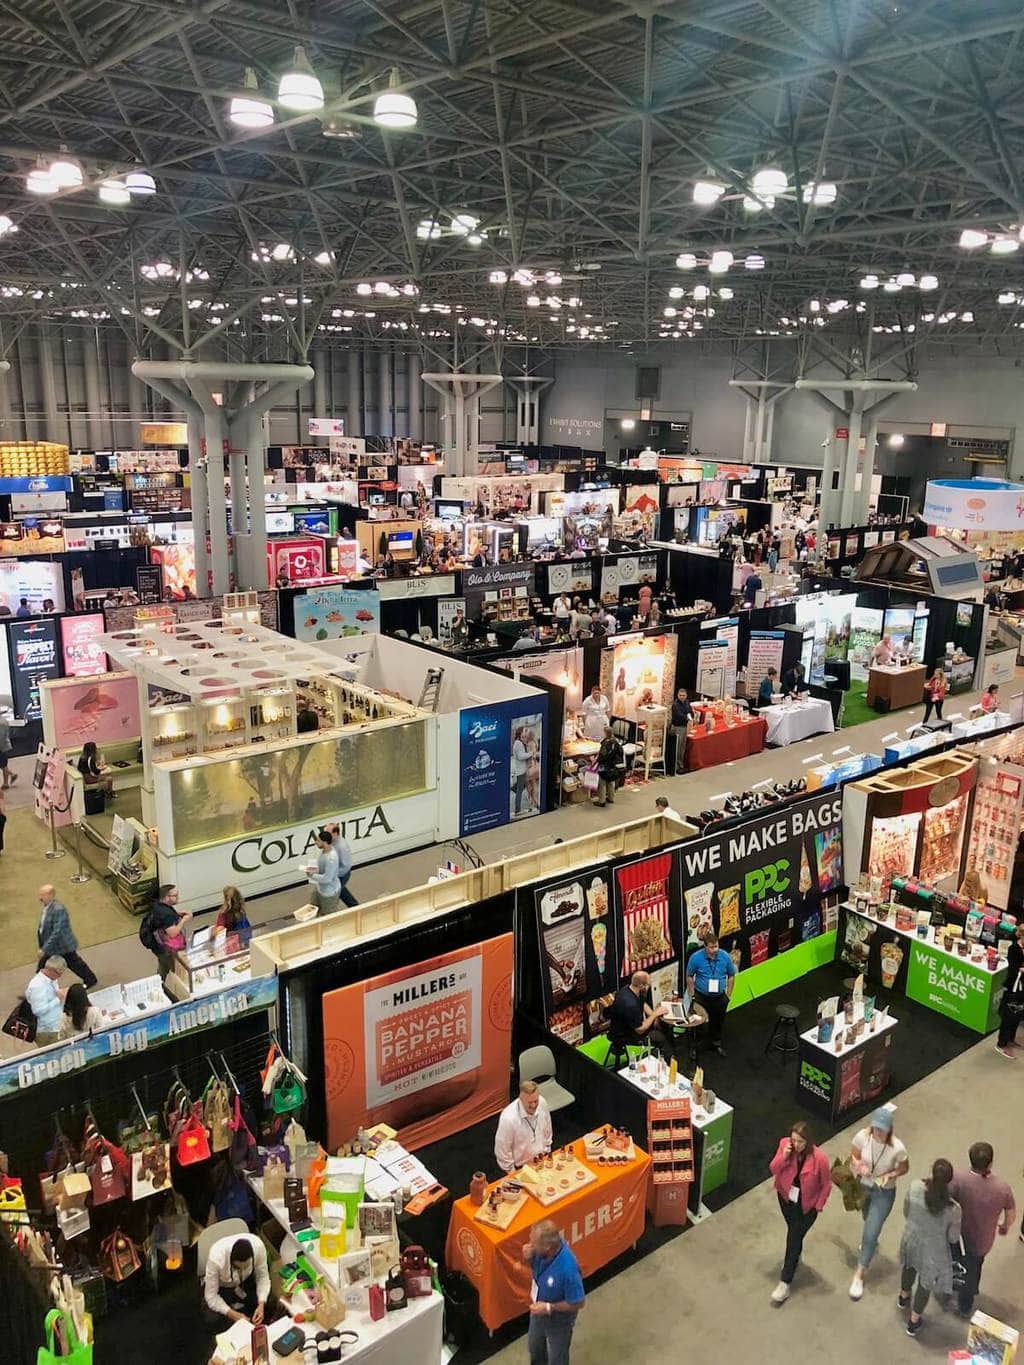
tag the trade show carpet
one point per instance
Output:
(762, 1091)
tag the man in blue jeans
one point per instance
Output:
(557, 1294)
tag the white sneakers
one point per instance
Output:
(780, 1293)
(857, 1288)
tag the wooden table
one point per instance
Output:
(722, 746)
(891, 687)
(600, 1221)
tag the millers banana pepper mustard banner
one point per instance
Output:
(425, 1049)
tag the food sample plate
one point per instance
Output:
(503, 1215)
(550, 1185)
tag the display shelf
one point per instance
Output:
(221, 724)
(670, 1141)
(172, 731)
(995, 825)
(198, 971)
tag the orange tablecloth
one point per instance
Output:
(599, 1222)
(704, 751)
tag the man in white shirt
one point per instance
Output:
(665, 809)
(562, 608)
(524, 1129)
(47, 1000)
(236, 1283)
(595, 710)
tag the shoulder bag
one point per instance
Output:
(192, 1143)
(63, 1344)
(217, 1115)
(21, 1022)
(119, 1256)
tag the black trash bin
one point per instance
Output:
(461, 1307)
(94, 800)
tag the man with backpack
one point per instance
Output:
(161, 931)
(611, 765)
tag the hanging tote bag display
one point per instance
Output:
(151, 1169)
(217, 1115)
(192, 1144)
(242, 1152)
(119, 1256)
(63, 1344)
(289, 1091)
(106, 1164)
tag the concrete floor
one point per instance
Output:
(706, 1293)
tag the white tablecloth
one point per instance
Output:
(795, 720)
(409, 1336)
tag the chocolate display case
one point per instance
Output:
(899, 821)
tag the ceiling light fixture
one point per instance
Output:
(869, 282)
(720, 262)
(6, 225)
(821, 193)
(896, 440)
(1004, 245)
(40, 181)
(753, 205)
(115, 192)
(971, 238)
(246, 111)
(707, 192)
(66, 171)
(393, 108)
(754, 262)
(298, 89)
(927, 282)
(686, 261)
(139, 181)
(769, 181)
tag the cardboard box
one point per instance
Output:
(992, 1341)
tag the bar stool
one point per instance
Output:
(785, 1036)
(617, 1055)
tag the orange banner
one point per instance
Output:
(599, 1223)
(426, 1048)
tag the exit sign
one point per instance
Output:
(842, 433)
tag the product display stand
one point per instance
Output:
(670, 1141)
(832, 1081)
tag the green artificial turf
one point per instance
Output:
(855, 709)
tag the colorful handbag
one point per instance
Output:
(119, 1256)
(193, 1143)
(63, 1344)
(289, 1092)
(242, 1152)
(273, 1180)
(217, 1115)
(107, 1166)
(151, 1169)
(21, 1022)
(12, 1202)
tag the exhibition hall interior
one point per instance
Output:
(511, 681)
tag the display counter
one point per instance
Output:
(129, 1000)
(981, 724)
(210, 967)
(852, 1068)
(600, 1220)
(892, 686)
(953, 981)
(791, 721)
(739, 740)
(826, 775)
(712, 1127)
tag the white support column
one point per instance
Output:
(848, 478)
(465, 391)
(215, 433)
(48, 381)
(354, 425)
(769, 434)
(385, 395)
(319, 360)
(200, 501)
(91, 370)
(242, 496)
(528, 388)
(6, 431)
(748, 430)
(414, 372)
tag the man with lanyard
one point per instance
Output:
(524, 1129)
(556, 1294)
(710, 975)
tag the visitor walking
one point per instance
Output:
(343, 849)
(932, 1225)
(7, 778)
(877, 1158)
(3, 817)
(325, 879)
(558, 1294)
(987, 1208)
(161, 931)
(610, 762)
(803, 1184)
(934, 694)
(56, 939)
(1011, 1006)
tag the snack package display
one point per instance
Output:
(599, 942)
(698, 909)
(729, 911)
(597, 898)
(892, 957)
(563, 952)
(828, 852)
(806, 880)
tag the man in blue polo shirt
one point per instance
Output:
(556, 1293)
(710, 976)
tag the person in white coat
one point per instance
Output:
(524, 1129)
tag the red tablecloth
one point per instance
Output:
(704, 751)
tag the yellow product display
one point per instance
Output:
(20, 459)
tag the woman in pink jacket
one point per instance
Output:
(803, 1183)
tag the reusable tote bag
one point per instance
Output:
(63, 1344)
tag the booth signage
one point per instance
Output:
(502, 751)
(425, 1048)
(83, 657)
(765, 651)
(712, 666)
(497, 576)
(974, 504)
(267, 850)
(326, 426)
(953, 987)
(33, 661)
(334, 613)
(714, 1166)
(149, 582)
(37, 483)
(137, 1035)
(429, 585)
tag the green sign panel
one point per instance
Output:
(954, 987)
(717, 1144)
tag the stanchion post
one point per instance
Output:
(79, 876)
(53, 851)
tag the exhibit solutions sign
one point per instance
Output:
(136, 1035)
